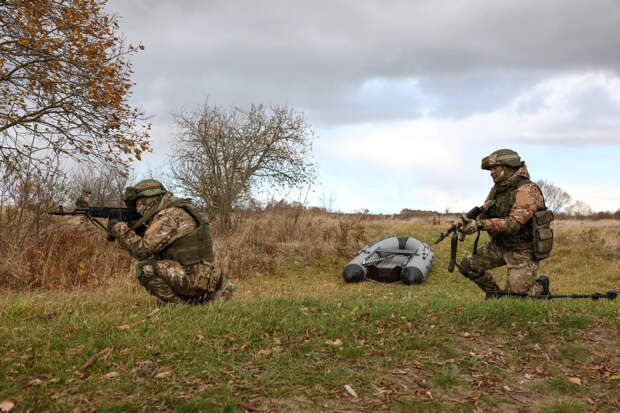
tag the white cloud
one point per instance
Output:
(541, 114)
(599, 197)
(436, 160)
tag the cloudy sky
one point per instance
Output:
(405, 96)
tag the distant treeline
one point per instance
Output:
(594, 216)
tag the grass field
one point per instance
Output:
(295, 337)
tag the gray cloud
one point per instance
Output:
(320, 57)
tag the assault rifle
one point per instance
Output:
(610, 295)
(122, 214)
(128, 215)
(472, 214)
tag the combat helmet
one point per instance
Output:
(144, 188)
(506, 157)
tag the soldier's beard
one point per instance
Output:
(499, 176)
(503, 175)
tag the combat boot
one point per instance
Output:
(544, 281)
(224, 293)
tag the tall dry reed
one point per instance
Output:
(60, 255)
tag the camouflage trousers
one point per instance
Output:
(522, 269)
(172, 282)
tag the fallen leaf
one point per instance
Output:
(123, 327)
(350, 390)
(90, 361)
(35, 382)
(152, 313)
(105, 353)
(163, 375)
(430, 395)
(575, 380)
(249, 406)
(507, 388)
(6, 406)
(336, 342)
(598, 353)
(112, 375)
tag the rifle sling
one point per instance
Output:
(453, 247)
(476, 242)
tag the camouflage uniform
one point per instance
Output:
(508, 211)
(174, 253)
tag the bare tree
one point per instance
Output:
(555, 198)
(65, 81)
(579, 209)
(222, 155)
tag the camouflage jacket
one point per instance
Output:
(509, 208)
(165, 227)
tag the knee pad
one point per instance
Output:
(465, 269)
(469, 273)
(145, 274)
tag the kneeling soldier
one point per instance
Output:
(175, 253)
(517, 221)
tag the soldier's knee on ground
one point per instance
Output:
(465, 268)
(483, 279)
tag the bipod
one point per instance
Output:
(610, 295)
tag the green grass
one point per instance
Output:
(292, 342)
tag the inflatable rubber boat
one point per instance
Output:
(392, 259)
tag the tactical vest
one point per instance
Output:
(195, 246)
(500, 206)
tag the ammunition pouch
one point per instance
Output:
(206, 276)
(542, 234)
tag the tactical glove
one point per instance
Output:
(469, 226)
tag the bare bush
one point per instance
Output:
(37, 251)
(223, 156)
(106, 186)
(27, 194)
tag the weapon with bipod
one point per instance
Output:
(610, 295)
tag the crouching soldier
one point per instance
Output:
(173, 246)
(515, 217)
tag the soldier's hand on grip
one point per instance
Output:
(468, 226)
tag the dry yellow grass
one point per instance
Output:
(292, 242)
